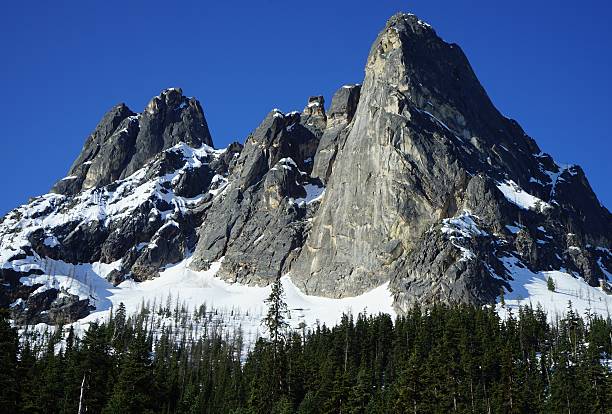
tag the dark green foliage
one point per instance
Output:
(8, 364)
(445, 359)
(550, 284)
(277, 310)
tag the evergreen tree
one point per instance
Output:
(134, 390)
(550, 284)
(443, 359)
(9, 379)
(277, 310)
(96, 369)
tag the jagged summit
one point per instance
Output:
(124, 141)
(411, 182)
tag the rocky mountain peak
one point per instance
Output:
(425, 145)
(168, 99)
(124, 141)
(412, 180)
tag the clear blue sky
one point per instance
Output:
(546, 63)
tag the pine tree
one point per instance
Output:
(134, 390)
(361, 392)
(445, 359)
(550, 284)
(277, 310)
(9, 345)
(119, 328)
(96, 369)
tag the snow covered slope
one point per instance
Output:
(529, 288)
(233, 306)
(51, 247)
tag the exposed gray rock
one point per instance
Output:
(93, 145)
(450, 264)
(124, 142)
(343, 107)
(144, 221)
(313, 116)
(168, 119)
(423, 126)
(256, 225)
(52, 307)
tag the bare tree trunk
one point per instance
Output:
(346, 348)
(82, 409)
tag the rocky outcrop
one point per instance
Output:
(423, 126)
(107, 135)
(343, 107)
(52, 307)
(133, 203)
(258, 224)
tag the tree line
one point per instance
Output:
(442, 359)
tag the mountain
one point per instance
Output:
(412, 180)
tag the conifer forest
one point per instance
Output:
(443, 359)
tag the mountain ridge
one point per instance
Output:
(412, 178)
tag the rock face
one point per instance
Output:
(412, 178)
(343, 107)
(426, 145)
(258, 224)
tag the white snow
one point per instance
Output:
(520, 197)
(464, 225)
(87, 281)
(438, 120)
(287, 160)
(51, 241)
(461, 227)
(219, 184)
(105, 204)
(242, 305)
(513, 229)
(555, 177)
(530, 288)
(313, 193)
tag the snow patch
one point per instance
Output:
(86, 280)
(462, 227)
(513, 229)
(520, 197)
(51, 241)
(313, 193)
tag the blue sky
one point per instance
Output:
(547, 64)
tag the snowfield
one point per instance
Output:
(238, 306)
(530, 288)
